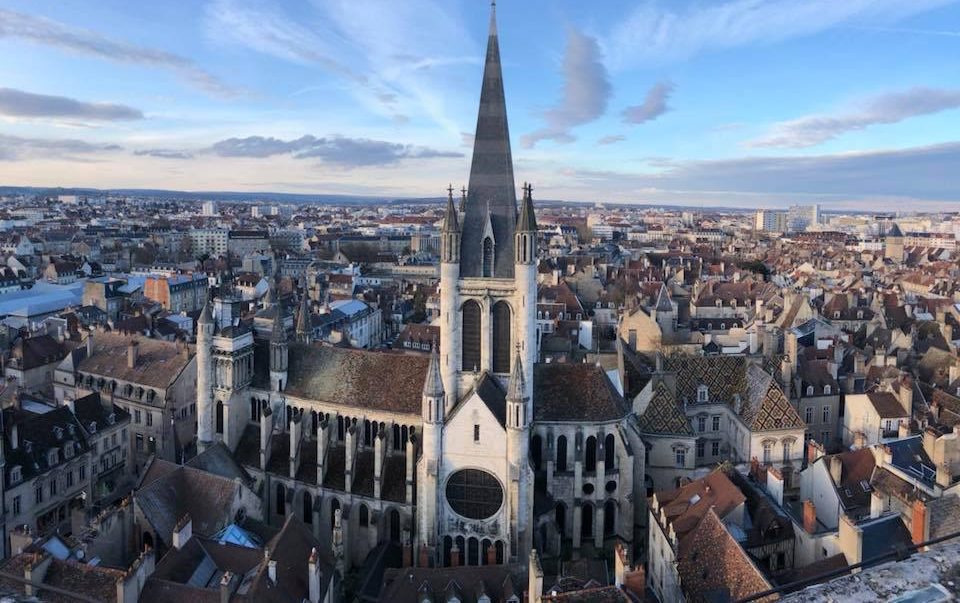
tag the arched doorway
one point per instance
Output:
(473, 551)
(447, 546)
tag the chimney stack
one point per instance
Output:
(133, 353)
(182, 532)
(836, 469)
(809, 517)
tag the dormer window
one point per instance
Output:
(836, 314)
(826, 390)
(809, 390)
(93, 427)
(52, 457)
(16, 474)
(58, 432)
(111, 419)
(703, 394)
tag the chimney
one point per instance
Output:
(836, 469)
(272, 570)
(930, 441)
(954, 373)
(90, 344)
(182, 532)
(814, 451)
(313, 575)
(227, 584)
(133, 352)
(14, 436)
(919, 522)
(535, 577)
(944, 475)
(809, 517)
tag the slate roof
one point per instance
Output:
(97, 582)
(575, 392)
(37, 434)
(37, 351)
(492, 189)
(410, 584)
(159, 363)
(205, 496)
(357, 378)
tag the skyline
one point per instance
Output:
(619, 105)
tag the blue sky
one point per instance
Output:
(737, 102)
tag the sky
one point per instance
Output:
(751, 103)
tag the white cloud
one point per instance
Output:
(653, 106)
(17, 103)
(83, 41)
(658, 31)
(585, 95)
(887, 108)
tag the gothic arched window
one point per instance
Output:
(487, 257)
(470, 354)
(501, 337)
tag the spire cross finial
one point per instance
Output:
(450, 192)
(463, 192)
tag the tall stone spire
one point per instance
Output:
(491, 173)
(304, 325)
(517, 386)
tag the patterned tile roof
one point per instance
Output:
(663, 416)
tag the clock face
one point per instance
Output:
(474, 494)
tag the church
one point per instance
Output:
(474, 455)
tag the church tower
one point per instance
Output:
(475, 482)
(278, 352)
(205, 327)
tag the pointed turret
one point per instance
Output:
(492, 190)
(450, 233)
(304, 326)
(278, 334)
(206, 317)
(517, 387)
(451, 223)
(527, 222)
(525, 243)
(433, 385)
